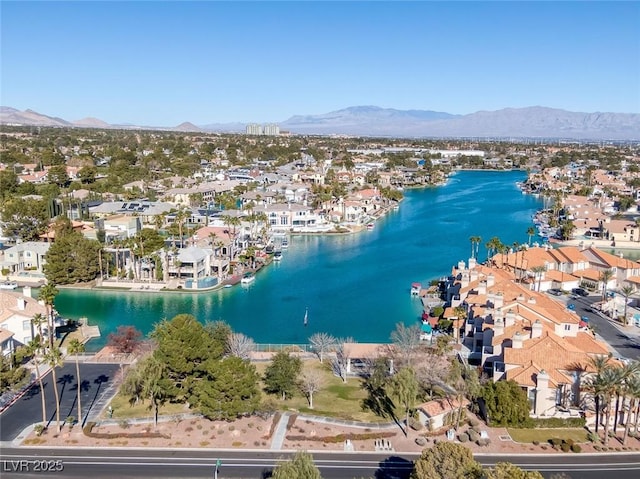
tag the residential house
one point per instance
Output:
(28, 256)
(16, 312)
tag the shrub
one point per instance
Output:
(555, 441)
(463, 437)
(536, 443)
(569, 441)
(124, 424)
(565, 447)
(39, 429)
(421, 441)
(557, 422)
(576, 448)
(483, 441)
(593, 437)
(473, 435)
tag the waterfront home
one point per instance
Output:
(7, 346)
(292, 217)
(16, 312)
(205, 192)
(120, 227)
(143, 209)
(27, 256)
(516, 333)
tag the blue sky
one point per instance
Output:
(162, 63)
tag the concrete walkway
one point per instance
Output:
(281, 430)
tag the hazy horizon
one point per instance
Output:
(164, 63)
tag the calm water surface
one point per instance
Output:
(353, 286)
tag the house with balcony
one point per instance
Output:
(27, 256)
(517, 333)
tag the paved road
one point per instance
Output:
(125, 463)
(626, 345)
(96, 380)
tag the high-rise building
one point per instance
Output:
(254, 129)
(270, 129)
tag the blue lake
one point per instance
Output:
(354, 285)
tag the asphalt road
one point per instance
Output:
(96, 379)
(127, 463)
(626, 346)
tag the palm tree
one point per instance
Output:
(609, 378)
(75, 348)
(538, 270)
(594, 383)
(38, 320)
(54, 359)
(626, 292)
(475, 241)
(234, 222)
(605, 276)
(48, 295)
(34, 346)
(493, 245)
(631, 390)
(530, 232)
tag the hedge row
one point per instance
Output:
(556, 422)
(343, 437)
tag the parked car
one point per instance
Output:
(580, 291)
(571, 306)
(555, 291)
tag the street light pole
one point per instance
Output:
(218, 464)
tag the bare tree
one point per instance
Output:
(343, 357)
(322, 343)
(240, 346)
(310, 383)
(406, 340)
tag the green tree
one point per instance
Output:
(72, 258)
(507, 404)
(75, 348)
(404, 387)
(530, 232)
(281, 376)
(301, 466)
(183, 346)
(57, 175)
(24, 219)
(446, 460)
(506, 470)
(149, 381)
(228, 390)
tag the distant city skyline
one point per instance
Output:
(164, 63)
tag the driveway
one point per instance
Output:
(96, 380)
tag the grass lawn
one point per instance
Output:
(123, 410)
(335, 398)
(543, 435)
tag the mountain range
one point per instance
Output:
(530, 122)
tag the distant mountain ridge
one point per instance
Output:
(529, 122)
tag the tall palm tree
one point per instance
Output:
(605, 276)
(54, 359)
(609, 378)
(38, 320)
(626, 291)
(34, 346)
(594, 383)
(631, 391)
(48, 295)
(233, 222)
(75, 348)
(475, 241)
(538, 271)
(530, 232)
